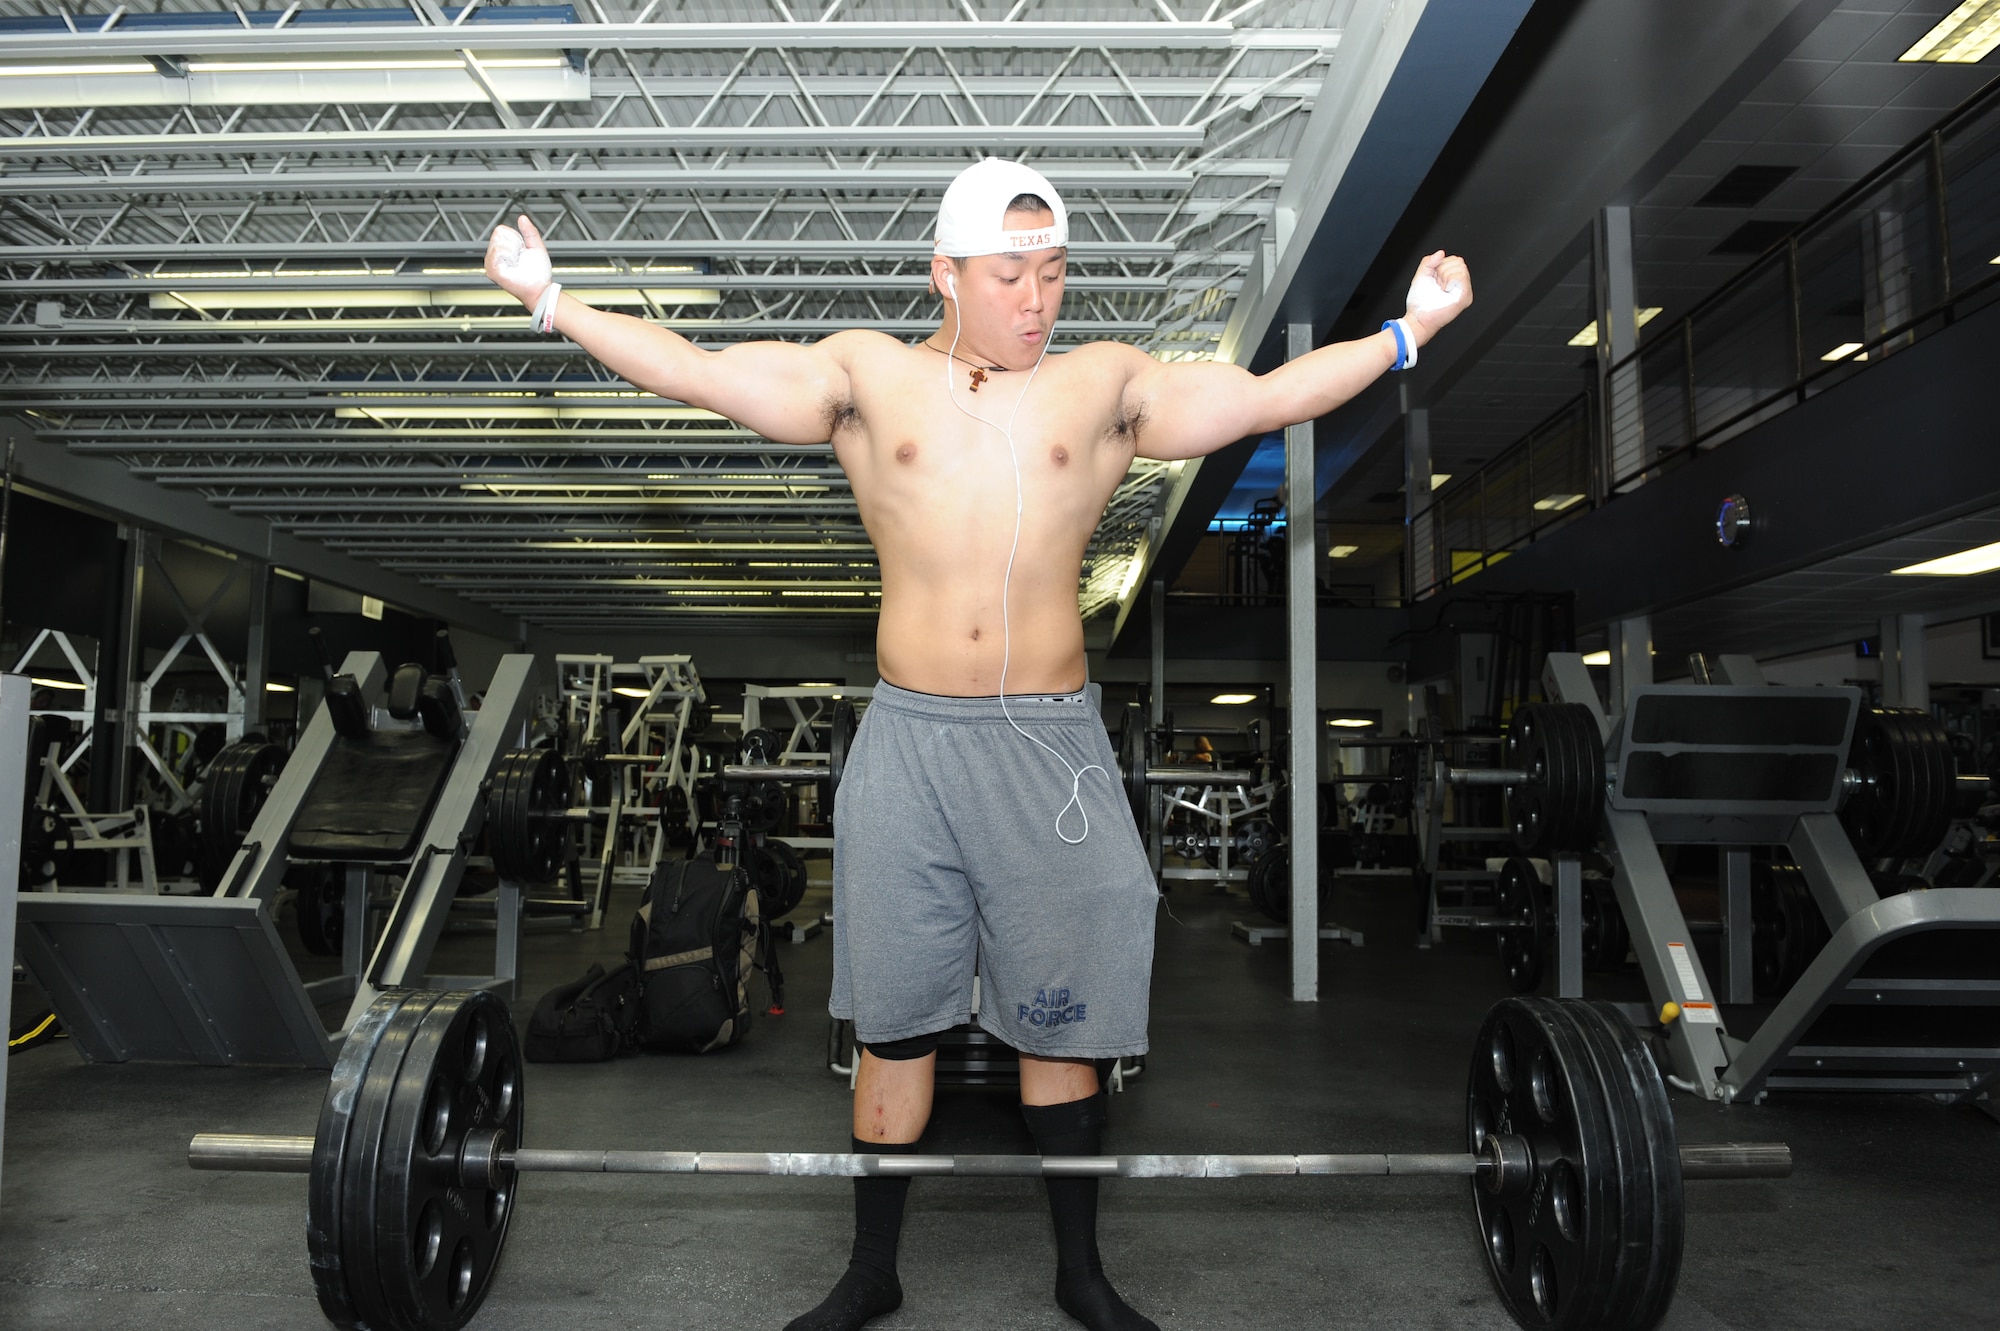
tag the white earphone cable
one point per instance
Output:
(1007, 580)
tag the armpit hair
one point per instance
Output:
(1128, 422)
(841, 414)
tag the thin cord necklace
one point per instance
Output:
(979, 372)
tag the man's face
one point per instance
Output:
(1008, 302)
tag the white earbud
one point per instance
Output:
(950, 287)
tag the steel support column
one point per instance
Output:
(1420, 558)
(1301, 614)
(14, 690)
(1906, 675)
(1631, 657)
(257, 648)
(1616, 300)
(131, 664)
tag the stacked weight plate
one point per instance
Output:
(1560, 804)
(1595, 1241)
(1906, 784)
(397, 1240)
(525, 803)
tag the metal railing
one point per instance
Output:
(1532, 486)
(1910, 247)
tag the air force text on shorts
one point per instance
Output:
(1052, 1007)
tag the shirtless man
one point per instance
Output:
(980, 818)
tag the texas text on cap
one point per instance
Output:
(971, 220)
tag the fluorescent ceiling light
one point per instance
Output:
(364, 66)
(1982, 560)
(403, 298)
(1965, 36)
(1843, 351)
(1602, 658)
(1439, 478)
(1230, 699)
(272, 686)
(815, 684)
(510, 412)
(57, 71)
(1341, 551)
(56, 683)
(1556, 503)
(627, 691)
(1349, 722)
(1640, 318)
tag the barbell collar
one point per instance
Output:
(1197, 776)
(487, 1158)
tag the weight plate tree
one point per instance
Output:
(526, 815)
(1575, 1169)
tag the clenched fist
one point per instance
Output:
(518, 262)
(1441, 288)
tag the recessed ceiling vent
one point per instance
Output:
(1745, 186)
(1754, 237)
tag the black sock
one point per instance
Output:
(869, 1288)
(1077, 1128)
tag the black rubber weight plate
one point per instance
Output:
(439, 1241)
(360, 1215)
(1560, 740)
(327, 1217)
(1527, 803)
(1654, 1207)
(1553, 1246)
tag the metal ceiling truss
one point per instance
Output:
(248, 266)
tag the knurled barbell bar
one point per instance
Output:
(1572, 1152)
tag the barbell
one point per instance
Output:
(414, 1168)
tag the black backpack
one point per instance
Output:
(697, 937)
(586, 1020)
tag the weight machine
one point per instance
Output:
(1849, 989)
(389, 776)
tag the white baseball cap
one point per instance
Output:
(971, 220)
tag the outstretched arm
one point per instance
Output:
(782, 390)
(1188, 410)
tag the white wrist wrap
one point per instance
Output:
(544, 317)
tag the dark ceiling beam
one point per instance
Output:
(102, 485)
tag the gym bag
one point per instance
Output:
(586, 1020)
(697, 937)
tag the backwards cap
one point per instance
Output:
(971, 218)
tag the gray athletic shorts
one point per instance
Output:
(946, 853)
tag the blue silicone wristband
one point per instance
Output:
(1402, 348)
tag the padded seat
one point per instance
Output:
(372, 797)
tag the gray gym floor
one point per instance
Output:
(1889, 1220)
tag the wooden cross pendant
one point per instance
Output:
(978, 378)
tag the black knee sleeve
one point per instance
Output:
(902, 1051)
